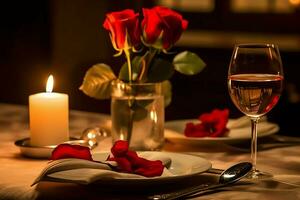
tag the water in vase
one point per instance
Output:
(139, 119)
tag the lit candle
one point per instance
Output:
(49, 117)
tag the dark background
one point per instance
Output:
(65, 38)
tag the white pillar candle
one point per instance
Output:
(49, 117)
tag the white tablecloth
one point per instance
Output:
(18, 172)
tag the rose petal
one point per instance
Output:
(133, 158)
(195, 130)
(71, 151)
(123, 25)
(220, 118)
(124, 164)
(129, 161)
(151, 25)
(212, 124)
(120, 148)
(150, 168)
(162, 27)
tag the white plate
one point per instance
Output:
(239, 131)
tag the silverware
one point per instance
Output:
(229, 176)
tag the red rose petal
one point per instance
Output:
(195, 130)
(71, 151)
(133, 158)
(124, 164)
(129, 162)
(123, 25)
(150, 168)
(120, 148)
(162, 27)
(212, 124)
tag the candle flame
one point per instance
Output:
(50, 82)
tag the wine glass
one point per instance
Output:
(255, 82)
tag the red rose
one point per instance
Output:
(124, 29)
(212, 125)
(162, 27)
(71, 151)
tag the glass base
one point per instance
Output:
(256, 174)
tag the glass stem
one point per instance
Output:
(254, 122)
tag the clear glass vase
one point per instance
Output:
(137, 111)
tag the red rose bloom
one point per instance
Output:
(162, 27)
(212, 125)
(124, 29)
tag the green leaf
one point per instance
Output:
(97, 81)
(167, 92)
(188, 63)
(160, 70)
(136, 67)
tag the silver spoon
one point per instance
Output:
(229, 176)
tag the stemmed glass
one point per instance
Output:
(255, 82)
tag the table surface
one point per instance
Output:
(18, 172)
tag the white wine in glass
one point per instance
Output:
(255, 82)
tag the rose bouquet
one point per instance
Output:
(143, 42)
(157, 33)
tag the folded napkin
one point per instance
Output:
(85, 170)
